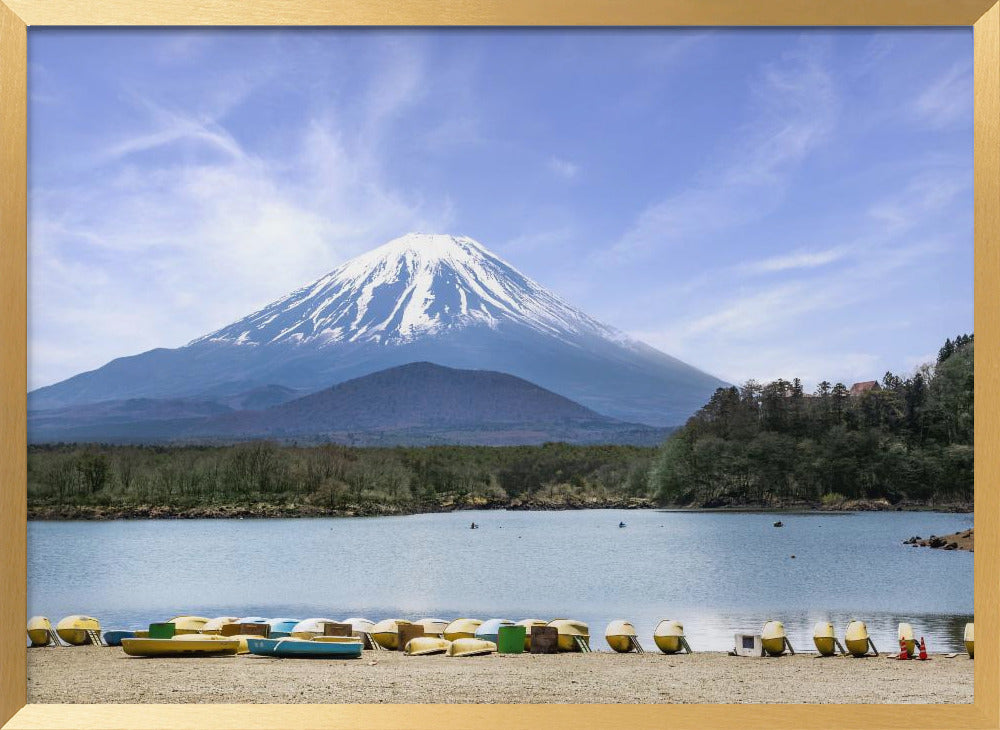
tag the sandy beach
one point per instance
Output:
(91, 674)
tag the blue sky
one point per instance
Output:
(762, 204)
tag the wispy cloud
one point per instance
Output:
(205, 230)
(563, 168)
(797, 260)
(947, 101)
(795, 105)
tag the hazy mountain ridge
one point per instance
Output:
(440, 299)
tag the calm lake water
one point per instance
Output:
(716, 572)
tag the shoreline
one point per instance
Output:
(71, 513)
(90, 674)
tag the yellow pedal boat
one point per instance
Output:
(433, 626)
(73, 629)
(825, 638)
(773, 638)
(184, 645)
(856, 639)
(425, 645)
(471, 647)
(669, 636)
(214, 625)
(188, 624)
(621, 636)
(527, 624)
(462, 628)
(309, 627)
(969, 642)
(386, 632)
(905, 634)
(39, 631)
(571, 634)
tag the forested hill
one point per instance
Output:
(900, 439)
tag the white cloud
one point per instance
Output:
(563, 168)
(795, 105)
(158, 254)
(797, 260)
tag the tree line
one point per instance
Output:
(333, 478)
(901, 439)
(905, 440)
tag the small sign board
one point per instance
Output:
(748, 645)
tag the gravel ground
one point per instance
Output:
(98, 674)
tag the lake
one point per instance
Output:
(716, 572)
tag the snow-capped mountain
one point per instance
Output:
(419, 298)
(414, 286)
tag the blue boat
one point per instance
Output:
(261, 647)
(115, 636)
(488, 630)
(299, 648)
(281, 627)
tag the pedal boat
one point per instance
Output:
(621, 636)
(39, 631)
(185, 645)
(462, 628)
(386, 632)
(969, 642)
(668, 636)
(73, 629)
(825, 638)
(773, 638)
(571, 633)
(489, 630)
(856, 638)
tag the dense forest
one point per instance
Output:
(901, 440)
(263, 478)
(907, 441)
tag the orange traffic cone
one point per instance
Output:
(923, 649)
(902, 650)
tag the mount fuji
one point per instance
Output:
(419, 298)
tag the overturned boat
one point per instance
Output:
(527, 624)
(281, 627)
(669, 637)
(462, 628)
(970, 644)
(188, 624)
(40, 632)
(471, 647)
(426, 645)
(489, 630)
(774, 640)
(386, 632)
(309, 627)
(825, 639)
(621, 637)
(573, 635)
(433, 626)
(905, 636)
(214, 625)
(857, 640)
(78, 630)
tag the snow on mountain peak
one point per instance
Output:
(415, 285)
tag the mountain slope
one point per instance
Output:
(418, 298)
(418, 403)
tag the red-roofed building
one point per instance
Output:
(864, 386)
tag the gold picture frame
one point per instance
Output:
(15, 18)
